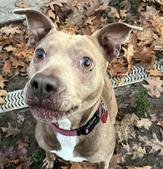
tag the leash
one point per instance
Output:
(15, 100)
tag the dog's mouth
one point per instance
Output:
(48, 115)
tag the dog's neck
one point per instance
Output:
(64, 125)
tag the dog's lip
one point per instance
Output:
(38, 108)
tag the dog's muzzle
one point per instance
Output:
(44, 96)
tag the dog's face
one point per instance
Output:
(70, 70)
(67, 71)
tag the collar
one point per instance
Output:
(100, 114)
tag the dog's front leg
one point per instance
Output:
(48, 162)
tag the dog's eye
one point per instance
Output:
(40, 53)
(86, 63)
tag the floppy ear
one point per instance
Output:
(38, 24)
(112, 36)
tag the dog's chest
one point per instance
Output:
(67, 143)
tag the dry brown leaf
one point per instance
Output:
(83, 166)
(56, 2)
(76, 166)
(155, 144)
(158, 117)
(10, 130)
(23, 51)
(2, 82)
(144, 122)
(17, 63)
(4, 40)
(113, 12)
(7, 67)
(7, 30)
(146, 36)
(138, 151)
(22, 4)
(124, 129)
(118, 67)
(158, 44)
(155, 72)
(154, 87)
(10, 48)
(19, 167)
(128, 53)
(3, 92)
(16, 162)
(145, 167)
(70, 28)
(2, 101)
(145, 55)
(51, 14)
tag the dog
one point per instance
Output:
(69, 91)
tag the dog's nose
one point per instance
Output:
(44, 86)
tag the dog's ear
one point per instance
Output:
(38, 24)
(112, 36)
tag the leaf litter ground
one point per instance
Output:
(139, 121)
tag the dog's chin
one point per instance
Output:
(49, 116)
(46, 115)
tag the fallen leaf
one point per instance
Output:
(128, 53)
(22, 4)
(146, 36)
(7, 68)
(124, 128)
(17, 63)
(158, 44)
(16, 162)
(51, 14)
(144, 55)
(10, 130)
(113, 12)
(144, 122)
(76, 166)
(83, 166)
(158, 118)
(3, 92)
(2, 82)
(10, 48)
(155, 72)
(19, 167)
(2, 101)
(23, 51)
(70, 28)
(155, 144)
(118, 67)
(7, 30)
(154, 86)
(138, 151)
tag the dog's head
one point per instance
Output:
(67, 71)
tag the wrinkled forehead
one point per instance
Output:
(57, 41)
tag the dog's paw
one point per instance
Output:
(47, 164)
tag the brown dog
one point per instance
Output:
(69, 92)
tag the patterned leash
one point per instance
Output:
(15, 100)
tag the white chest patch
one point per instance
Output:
(67, 143)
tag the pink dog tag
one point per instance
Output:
(104, 116)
